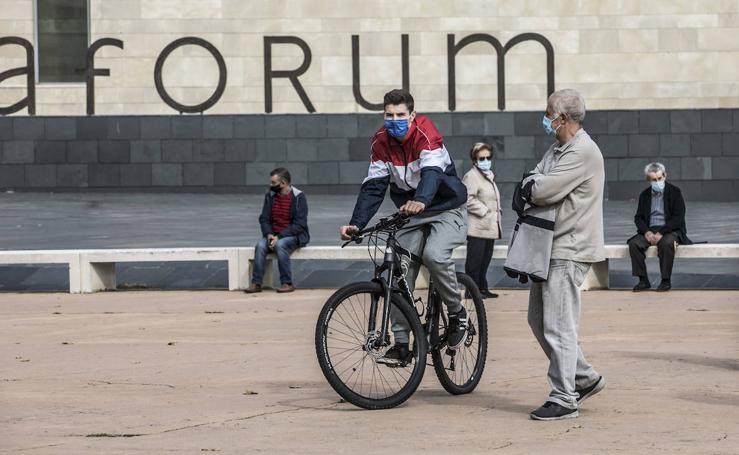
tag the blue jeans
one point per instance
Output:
(284, 247)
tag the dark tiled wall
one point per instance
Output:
(329, 152)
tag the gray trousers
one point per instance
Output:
(433, 238)
(554, 314)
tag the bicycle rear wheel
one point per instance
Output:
(460, 371)
(348, 357)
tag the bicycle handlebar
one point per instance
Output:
(396, 220)
(392, 222)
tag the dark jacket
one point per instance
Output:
(298, 226)
(674, 213)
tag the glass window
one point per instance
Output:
(62, 40)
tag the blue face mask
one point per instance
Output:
(397, 128)
(546, 122)
(658, 186)
(485, 165)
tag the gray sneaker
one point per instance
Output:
(553, 411)
(588, 392)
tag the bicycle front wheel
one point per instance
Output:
(349, 358)
(460, 371)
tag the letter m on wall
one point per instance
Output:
(454, 48)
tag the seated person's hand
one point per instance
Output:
(272, 241)
(412, 208)
(657, 237)
(651, 237)
(346, 232)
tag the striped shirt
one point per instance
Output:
(281, 212)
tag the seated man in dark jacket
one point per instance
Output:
(284, 223)
(660, 220)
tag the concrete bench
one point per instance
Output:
(597, 276)
(98, 267)
(69, 257)
(95, 270)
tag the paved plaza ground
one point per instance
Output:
(224, 372)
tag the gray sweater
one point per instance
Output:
(572, 181)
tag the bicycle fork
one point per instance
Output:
(387, 285)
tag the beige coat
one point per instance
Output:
(572, 181)
(483, 205)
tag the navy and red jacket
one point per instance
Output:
(298, 226)
(419, 168)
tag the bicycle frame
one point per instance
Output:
(391, 264)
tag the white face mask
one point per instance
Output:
(485, 165)
(658, 186)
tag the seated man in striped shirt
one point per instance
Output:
(284, 223)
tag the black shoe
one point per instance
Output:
(457, 331)
(664, 286)
(588, 392)
(553, 411)
(397, 356)
(486, 294)
(643, 285)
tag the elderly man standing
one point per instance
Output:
(569, 177)
(660, 221)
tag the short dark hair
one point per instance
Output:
(479, 147)
(282, 173)
(398, 96)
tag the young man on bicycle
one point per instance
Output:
(408, 154)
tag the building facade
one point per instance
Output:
(209, 95)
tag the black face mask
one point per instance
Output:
(275, 188)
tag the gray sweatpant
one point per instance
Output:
(554, 314)
(433, 238)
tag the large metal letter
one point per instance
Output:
(453, 49)
(91, 71)
(356, 86)
(269, 74)
(222, 74)
(30, 99)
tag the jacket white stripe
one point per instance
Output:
(377, 169)
(438, 157)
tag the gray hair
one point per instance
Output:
(478, 147)
(654, 167)
(568, 102)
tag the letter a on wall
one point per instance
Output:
(30, 99)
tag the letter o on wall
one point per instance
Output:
(205, 105)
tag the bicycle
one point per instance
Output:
(350, 346)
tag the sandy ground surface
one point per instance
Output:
(220, 372)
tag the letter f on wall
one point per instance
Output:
(92, 71)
